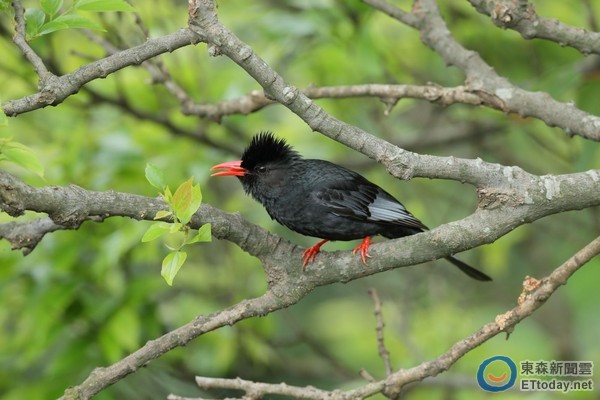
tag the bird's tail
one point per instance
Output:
(467, 269)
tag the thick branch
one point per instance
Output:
(521, 17)
(481, 77)
(400, 163)
(535, 293)
(499, 212)
(54, 91)
(69, 206)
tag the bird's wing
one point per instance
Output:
(362, 200)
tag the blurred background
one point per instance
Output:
(89, 297)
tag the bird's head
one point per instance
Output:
(265, 166)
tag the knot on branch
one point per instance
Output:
(10, 202)
(510, 13)
(75, 209)
(491, 198)
(201, 16)
(52, 89)
(400, 163)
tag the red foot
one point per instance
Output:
(310, 253)
(363, 248)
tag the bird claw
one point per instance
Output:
(309, 254)
(363, 248)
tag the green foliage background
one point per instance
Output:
(89, 297)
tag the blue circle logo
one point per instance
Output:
(497, 374)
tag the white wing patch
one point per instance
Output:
(384, 210)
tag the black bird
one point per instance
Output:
(321, 199)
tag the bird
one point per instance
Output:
(321, 199)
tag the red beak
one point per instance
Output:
(231, 168)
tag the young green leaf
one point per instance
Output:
(34, 19)
(186, 200)
(155, 176)
(51, 7)
(162, 214)
(52, 26)
(156, 230)
(171, 265)
(193, 206)
(203, 235)
(182, 196)
(103, 5)
(176, 227)
(71, 21)
(23, 156)
(167, 195)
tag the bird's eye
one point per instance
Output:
(261, 169)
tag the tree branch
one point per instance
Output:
(520, 16)
(535, 293)
(20, 40)
(499, 212)
(71, 205)
(27, 235)
(481, 77)
(388, 94)
(400, 163)
(508, 197)
(54, 91)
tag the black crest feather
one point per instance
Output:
(266, 148)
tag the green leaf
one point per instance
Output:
(176, 227)
(51, 7)
(182, 197)
(103, 5)
(171, 265)
(74, 21)
(52, 26)
(203, 235)
(155, 231)
(23, 156)
(186, 201)
(155, 176)
(34, 19)
(167, 195)
(163, 214)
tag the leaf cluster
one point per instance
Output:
(182, 205)
(52, 16)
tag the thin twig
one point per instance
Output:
(19, 38)
(383, 351)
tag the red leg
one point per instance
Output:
(310, 253)
(363, 248)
